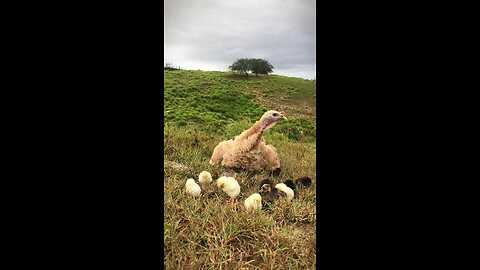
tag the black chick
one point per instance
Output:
(275, 173)
(304, 181)
(290, 184)
(269, 193)
(265, 181)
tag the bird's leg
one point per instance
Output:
(233, 206)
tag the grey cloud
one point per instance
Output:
(211, 34)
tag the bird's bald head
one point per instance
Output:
(270, 118)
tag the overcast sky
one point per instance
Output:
(211, 34)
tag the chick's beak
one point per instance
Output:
(283, 117)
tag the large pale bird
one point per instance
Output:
(249, 150)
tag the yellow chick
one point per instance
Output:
(205, 177)
(229, 185)
(193, 188)
(254, 202)
(287, 190)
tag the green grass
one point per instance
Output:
(204, 108)
(211, 101)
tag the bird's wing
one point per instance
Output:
(248, 140)
(269, 154)
(240, 154)
(229, 152)
(220, 150)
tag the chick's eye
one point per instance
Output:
(275, 114)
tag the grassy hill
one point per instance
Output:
(218, 102)
(204, 108)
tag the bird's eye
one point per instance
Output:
(275, 114)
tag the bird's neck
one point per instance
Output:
(250, 138)
(256, 129)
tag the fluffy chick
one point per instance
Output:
(254, 202)
(304, 181)
(291, 184)
(205, 177)
(286, 190)
(269, 192)
(193, 188)
(229, 185)
(265, 185)
(275, 172)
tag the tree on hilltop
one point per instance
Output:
(257, 66)
(261, 66)
(241, 65)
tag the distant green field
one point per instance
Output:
(224, 104)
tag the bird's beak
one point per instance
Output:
(283, 117)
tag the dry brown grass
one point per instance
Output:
(206, 233)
